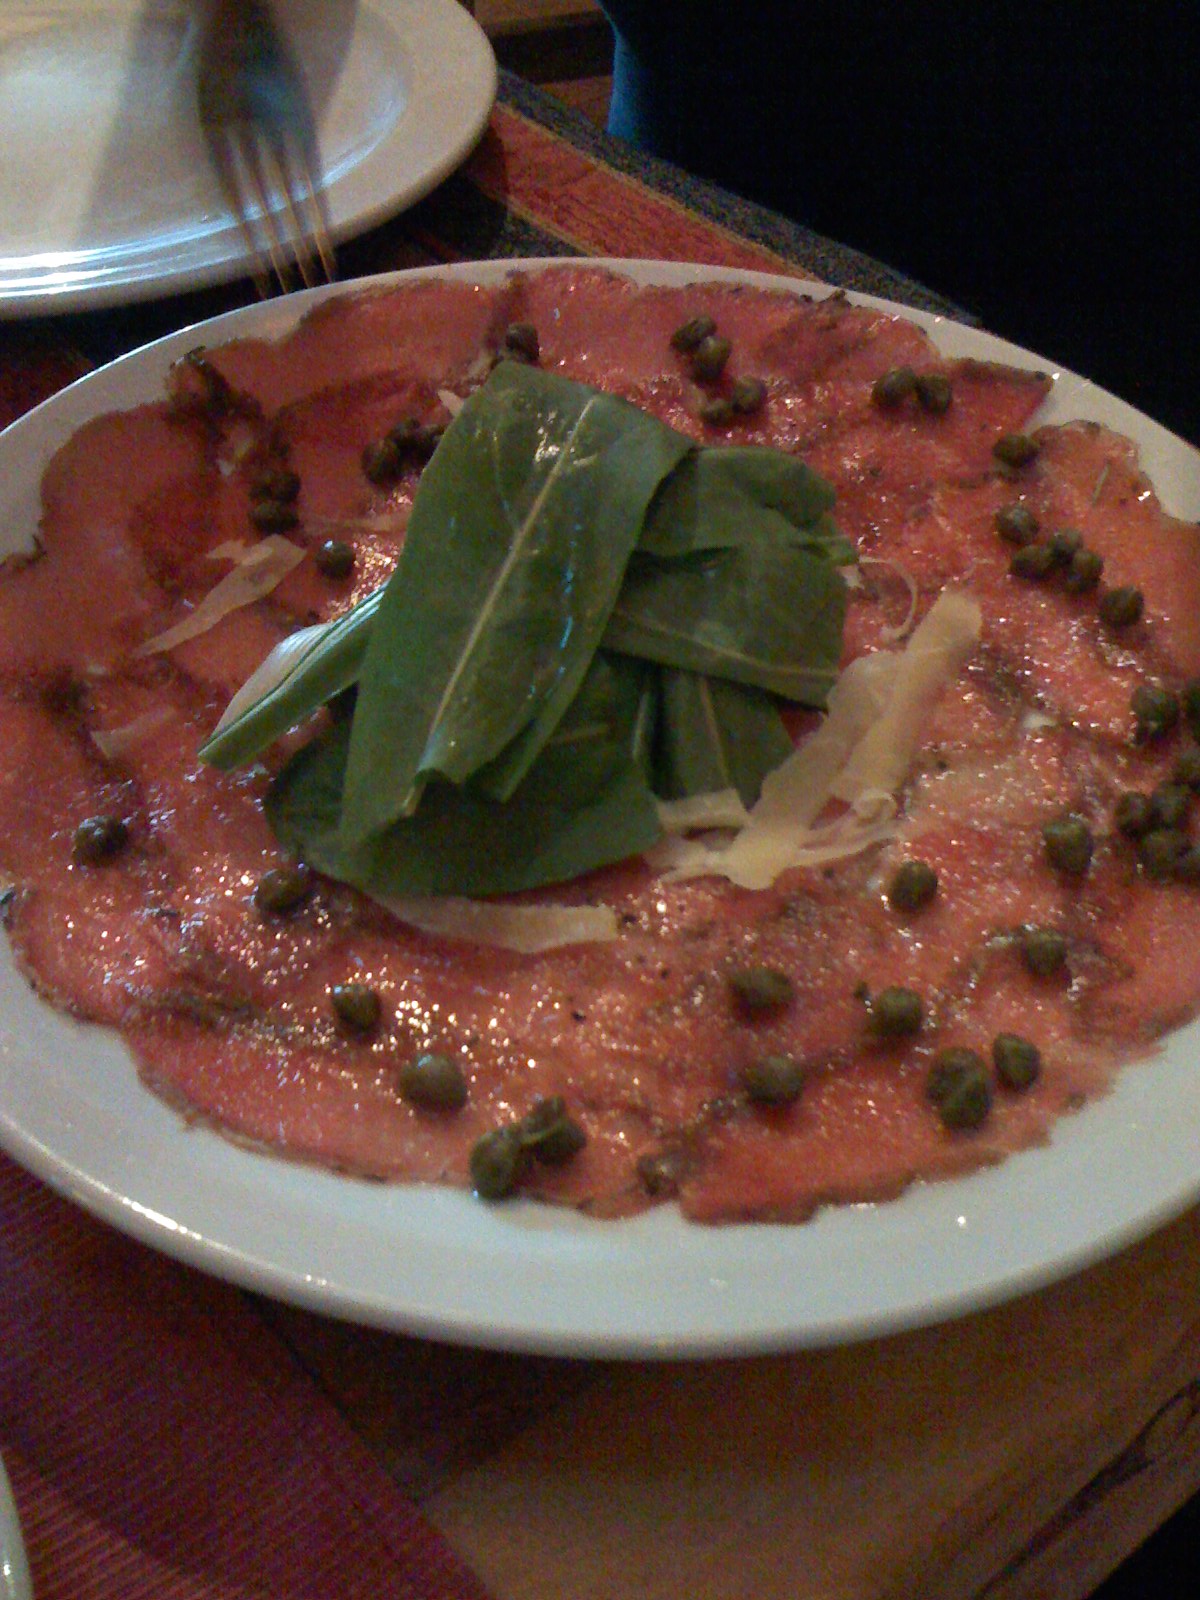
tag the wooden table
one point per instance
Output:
(1016, 1454)
(1022, 1452)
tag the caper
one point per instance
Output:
(1032, 561)
(216, 396)
(383, 460)
(434, 1081)
(934, 393)
(1191, 706)
(1187, 767)
(1133, 814)
(692, 333)
(1044, 951)
(550, 1133)
(496, 1162)
(913, 886)
(542, 1115)
(1121, 608)
(419, 439)
(64, 695)
(1017, 524)
(1170, 804)
(660, 1171)
(1016, 1060)
(1083, 571)
(1160, 851)
(893, 387)
(273, 516)
(761, 988)
(282, 889)
(896, 1012)
(958, 1086)
(355, 1005)
(773, 1080)
(521, 342)
(99, 839)
(716, 410)
(709, 358)
(1155, 711)
(1015, 449)
(560, 1143)
(747, 395)
(1064, 544)
(1069, 845)
(275, 482)
(334, 558)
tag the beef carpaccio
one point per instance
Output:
(1075, 704)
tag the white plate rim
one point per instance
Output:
(441, 43)
(14, 1566)
(524, 1277)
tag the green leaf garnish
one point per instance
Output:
(589, 611)
(514, 556)
(716, 735)
(584, 802)
(761, 613)
(317, 664)
(717, 498)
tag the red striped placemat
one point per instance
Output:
(163, 1444)
(593, 207)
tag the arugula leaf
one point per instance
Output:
(716, 735)
(514, 556)
(302, 673)
(583, 803)
(718, 497)
(761, 613)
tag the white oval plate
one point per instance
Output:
(523, 1276)
(106, 190)
(14, 1569)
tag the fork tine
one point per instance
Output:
(224, 154)
(262, 144)
(269, 177)
(294, 183)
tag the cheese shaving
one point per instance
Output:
(934, 655)
(390, 521)
(901, 630)
(860, 756)
(722, 809)
(259, 570)
(523, 928)
(113, 743)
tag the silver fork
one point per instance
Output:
(262, 142)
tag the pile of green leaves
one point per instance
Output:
(589, 611)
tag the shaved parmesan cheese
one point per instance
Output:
(934, 655)
(893, 635)
(452, 402)
(389, 521)
(259, 570)
(523, 928)
(113, 743)
(722, 809)
(861, 755)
